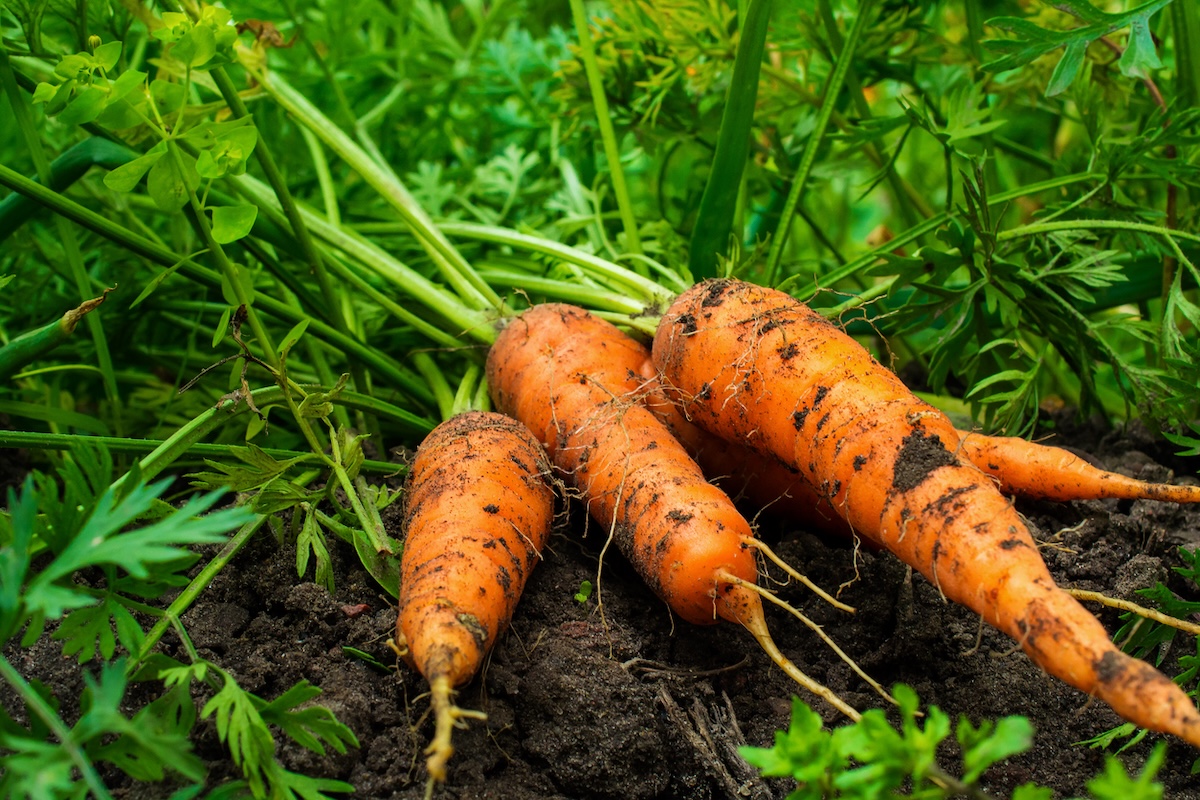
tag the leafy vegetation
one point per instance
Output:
(295, 220)
(870, 758)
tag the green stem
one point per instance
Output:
(714, 220)
(30, 345)
(69, 167)
(1170, 234)
(933, 223)
(429, 294)
(189, 434)
(262, 153)
(158, 254)
(643, 287)
(227, 268)
(450, 263)
(612, 149)
(38, 706)
(118, 444)
(895, 183)
(197, 585)
(808, 158)
(437, 381)
(66, 234)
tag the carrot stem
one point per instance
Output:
(612, 150)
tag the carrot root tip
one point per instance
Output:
(447, 717)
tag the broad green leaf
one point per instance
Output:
(85, 107)
(231, 223)
(74, 66)
(245, 280)
(126, 83)
(169, 189)
(107, 55)
(168, 96)
(126, 177)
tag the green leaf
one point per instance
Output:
(242, 729)
(312, 727)
(1115, 784)
(231, 223)
(222, 328)
(293, 336)
(1031, 41)
(107, 55)
(1067, 68)
(991, 743)
(126, 177)
(88, 631)
(85, 107)
(312, 540)
(170, 189)
(168, 96)
(126, 83)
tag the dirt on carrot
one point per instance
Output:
(478, 512)
(885, 461)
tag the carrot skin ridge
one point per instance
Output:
(753, 365)
(478, 512)
(1046, 472)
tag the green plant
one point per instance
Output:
(870, 758)
(91, 561)
(585, 592)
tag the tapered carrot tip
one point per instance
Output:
(1051, 473)
(1139, 692)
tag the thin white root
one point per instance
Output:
(1141, 611)
(446, 718)
(757, 625)
(790, 570)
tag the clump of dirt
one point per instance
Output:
(622, 701)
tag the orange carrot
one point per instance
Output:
(478, 513)
(1051, 473)
(574, 380)
(766, 482)
(754, 365)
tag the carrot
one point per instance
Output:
(754, 365)
(1051, 473)
(766, 482)
(478, 513)
(574, 380)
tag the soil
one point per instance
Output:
(628, 703)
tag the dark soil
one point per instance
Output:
(632, 704)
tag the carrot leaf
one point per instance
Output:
(1030, 41)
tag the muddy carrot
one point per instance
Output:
(574, 380)
(1052, 473)
(754, 365)
(478, 513)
